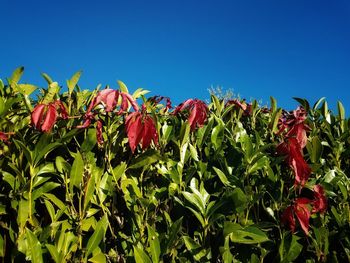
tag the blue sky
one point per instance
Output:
(180, 48)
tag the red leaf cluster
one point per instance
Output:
(198, 112)
(109, 99)
(301, 209)
(157, 99)
(294, 157)
(44, 116)
(4, 136)
(320, 201)
(294, 142)
(140, 128)
(247, 108)
(295, 126)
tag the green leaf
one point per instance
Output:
(259, 164)
(51, 93)
(318, 103)
(273, 104)
(195, 249)
(44, 189)
(98, 258)
(239, 199)
(226, 253)
(76, 173)
(73, 81)
(222, 176)
(2, 105)
(139, 92)
(118, 171)
(90, 141)
(23, 212)
(195, 200)
(247, 235)
(54, 253)
(193, 152)
(149, 157)
(317, 149)
(140, 256)
(97, 236)
(154, 245)
(62, 165)
(41, 152)
(289, 249)
(274, 120)
(174, 230)
(50, 209)
(341, 116)
(25, 89)
(89, 189)
(2, 246)
(304, 103)
(217, 136)
(183, 151)
(16, 76)
(47, 78)
(122, 86)
(34, 247)
(21, 146)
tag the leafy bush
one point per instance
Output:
(93, 176)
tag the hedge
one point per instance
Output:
(106, 175)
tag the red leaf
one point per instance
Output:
(37, 115)
(299, 132)
(287, 218)
(320, 201)
(111, 100)
(64, 113)
(4, 136)
(149, 132)
(134, 129)
(127, 97)
(301, 169)
(198, 112)
(295, 159)
(157, 99)
(303, 213)
(86, 124)
(50, 118)
(108, 97)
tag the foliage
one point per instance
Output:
(91, 176)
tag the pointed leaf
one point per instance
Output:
(97, 236)
(34, 247)
(154, 245)
(140, 256)
(76, 173)
(73, 81)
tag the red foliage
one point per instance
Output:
(198, 112)
(301, 210)
(320, 201)
(295, 160)
(4, 136)
(247, 108)
(141, 128)
(44, 116)
(109, 99)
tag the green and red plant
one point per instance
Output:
(91, 176)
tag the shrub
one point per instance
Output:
(93, 176)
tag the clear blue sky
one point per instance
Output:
(180, 48)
